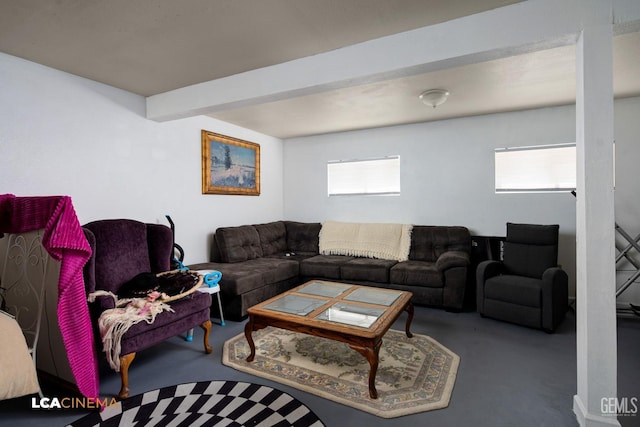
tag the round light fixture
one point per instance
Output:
(434, 97)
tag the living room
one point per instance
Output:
(70, 135)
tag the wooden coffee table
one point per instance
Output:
(356, 315)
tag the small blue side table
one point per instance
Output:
(211, 279)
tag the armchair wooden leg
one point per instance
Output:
(125, 361)
(207, 330)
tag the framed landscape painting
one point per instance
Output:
(229, 165)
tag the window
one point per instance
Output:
(543, 168)
(364, 177)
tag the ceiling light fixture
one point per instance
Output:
(434, 97)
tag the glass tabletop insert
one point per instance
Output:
(351, 314)
(323, 289)
(294, 304)
(373, 296)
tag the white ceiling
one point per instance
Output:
(154, 46)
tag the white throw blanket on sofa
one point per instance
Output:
(386, 241)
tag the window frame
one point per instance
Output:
(541, 186)
(390, 190)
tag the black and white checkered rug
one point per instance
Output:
(208, 403)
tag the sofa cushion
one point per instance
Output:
(236, 281)
(240, 278)
(529, 260)
(326, 266)
(520, 290)
(238, 244)
(429, 242)
(188, 310)
(416, 273)
(117, 260)
(530, 249)
(367, 269)
(276, 269)
(273, 237)
(303, 237)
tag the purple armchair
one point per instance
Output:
(122, 249)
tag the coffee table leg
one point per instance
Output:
(409, 310)
(372, 356)
(248, 329)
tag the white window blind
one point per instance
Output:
(364, 177)
(535, 169)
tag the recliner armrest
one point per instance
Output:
(554, 282)
(484, 271)
(451, 259)
(555, 297)
(488, 269)
(554, 275)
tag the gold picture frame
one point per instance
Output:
(229, 165)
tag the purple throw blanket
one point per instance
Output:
(65, 242)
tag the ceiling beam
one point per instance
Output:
(498, 33)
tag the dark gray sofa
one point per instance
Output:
(260, 261)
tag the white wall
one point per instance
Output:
(61, 134)
(447, 174)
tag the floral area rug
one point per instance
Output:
(414, 374)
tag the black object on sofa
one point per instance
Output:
(527, 287)
(260, 261)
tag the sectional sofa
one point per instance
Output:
(260, 261)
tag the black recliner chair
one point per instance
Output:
(527, 287)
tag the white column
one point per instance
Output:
(595, 250)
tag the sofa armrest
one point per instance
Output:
(454, 267)
(100, 303)
(452, 259)
(105, 303)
